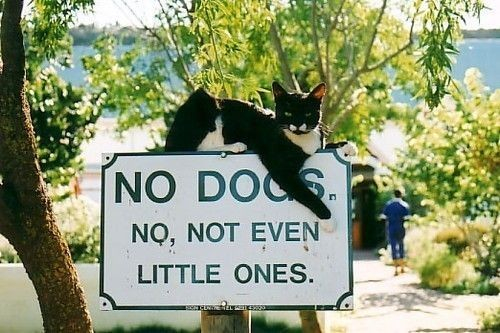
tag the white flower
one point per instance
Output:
(473, 80)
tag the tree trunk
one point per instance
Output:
(225, 321)
(290, 80)
(309, 321)
(26, 216)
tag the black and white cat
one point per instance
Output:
(283, 140)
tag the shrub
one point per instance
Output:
(149, 329)
(259, 325)
(489, 319)
(78, 220)
(438, 266)
(452, 236)
(487, 286)
(446, 271)
(7, 252)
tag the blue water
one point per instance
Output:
(481, 53)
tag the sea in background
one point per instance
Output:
(481, 53)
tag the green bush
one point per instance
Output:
(452, 236)
(148, 329)
(7, 252)
(444, 270)
(259, 325)
(487, 286)
(489, 319)
(439, 266)
(78, 220)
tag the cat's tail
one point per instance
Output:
(297, 189)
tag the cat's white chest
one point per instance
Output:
(309, 142)
(213, 139)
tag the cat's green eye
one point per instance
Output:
(308, 114)
(288, 114)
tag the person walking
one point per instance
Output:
(396, 212)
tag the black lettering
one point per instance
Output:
(140, 278)
(212, 274)
(183, 268)
(237, 273)
(259, 272)
(134, 193)
(298, 275)
(149, 186)
(278, 271)
(136, 230)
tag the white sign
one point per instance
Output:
(212, 231)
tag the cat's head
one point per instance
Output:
(298, 112)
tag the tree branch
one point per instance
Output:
(369, 47)
(17, 139)
(187, 78)
(334, 23)
(384, 62)
(288, 77)
(173, 40)
(367, 68)
(340, 94)
(343, 115)
(184, 5)
(13, 56)
(329, 30)
(347, 110)
(319, 58)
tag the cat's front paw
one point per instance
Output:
(349, 149)
(323, 212)
(237, 147)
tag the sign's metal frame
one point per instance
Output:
(344, 302)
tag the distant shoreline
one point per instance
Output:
(85, 35)
(481, 33)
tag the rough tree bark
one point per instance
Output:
(26, 216)
(309, 321)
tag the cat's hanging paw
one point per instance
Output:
(237, 147)
(324, 215)
(321, 211)
(349, 149)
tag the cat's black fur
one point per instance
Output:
(269, 137)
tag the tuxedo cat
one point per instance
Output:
(283, 141)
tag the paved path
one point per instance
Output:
(386, 303)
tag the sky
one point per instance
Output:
(110, 12)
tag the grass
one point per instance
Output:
(259, 325)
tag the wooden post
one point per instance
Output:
(225, 321)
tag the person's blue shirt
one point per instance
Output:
(395, 211)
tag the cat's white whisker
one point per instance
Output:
(292, 128)
(303, 127)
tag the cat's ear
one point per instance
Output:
(278, 90)
(318, 92)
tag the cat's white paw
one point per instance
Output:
(349, 149)
(237, 147)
